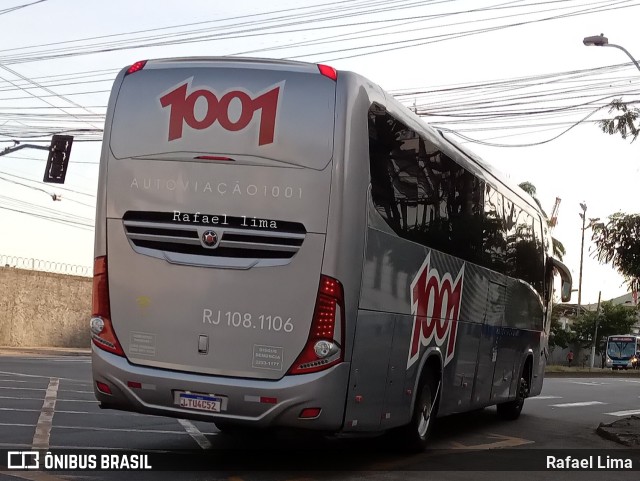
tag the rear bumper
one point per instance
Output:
(325, 390)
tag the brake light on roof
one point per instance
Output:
(136, 67)
(328, 72)
(324, 346)
(102, 332)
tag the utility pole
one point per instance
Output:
(583, 215)
(595, 334)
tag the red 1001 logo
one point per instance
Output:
(182, 106)
(435, 305)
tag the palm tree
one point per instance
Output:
(558, 248)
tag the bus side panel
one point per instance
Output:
(369, 373)
(392, 272)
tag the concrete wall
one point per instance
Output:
(581, 357)
(42, 309)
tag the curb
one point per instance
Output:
(624, 431)
(618, 375)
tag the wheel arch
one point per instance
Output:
(431, 360)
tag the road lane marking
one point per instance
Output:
(589, 383)
(16, 381)
(86, 448)
(195, 433)
(400, 462)
(45, 421)
(33, 476)
(576, 405)
(502, 442)
(118, 430)
(40, 399)
(624, 413)
(90, 413)
(19, 374)
(42, 389)
(544, 397)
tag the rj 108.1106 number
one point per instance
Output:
(247, 321)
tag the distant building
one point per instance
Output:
(568, 312)
(627, 301)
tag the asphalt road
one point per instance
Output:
(48, 403)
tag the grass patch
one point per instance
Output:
(595, 370)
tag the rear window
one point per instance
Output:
(276, 114)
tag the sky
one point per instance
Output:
(513, 78)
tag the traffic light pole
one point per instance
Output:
(15, 148)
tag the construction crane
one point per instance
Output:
(554, 214)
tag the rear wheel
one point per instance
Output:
(414, 436)
(511, 410)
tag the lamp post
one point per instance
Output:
(602, 41)
(583, 215)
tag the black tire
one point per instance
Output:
(414, 437)
(511, 410)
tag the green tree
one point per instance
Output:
(613, 320)
(618, 242)
(624, 123)
(558, 337)
(558, 248)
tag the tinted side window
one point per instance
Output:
(538, 275)
(494, 239)
(422, 194)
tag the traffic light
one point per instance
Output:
(58, 161)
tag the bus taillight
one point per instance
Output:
(102, 332)
(324, 347)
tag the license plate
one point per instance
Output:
(200, 402)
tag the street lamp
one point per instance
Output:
(602, 41)
(583, 215)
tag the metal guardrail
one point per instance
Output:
(30, 263)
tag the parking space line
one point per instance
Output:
(544, 397)
(45, 421)
(195, 433)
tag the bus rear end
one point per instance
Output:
(209, 300)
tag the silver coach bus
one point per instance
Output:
(282, 244)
